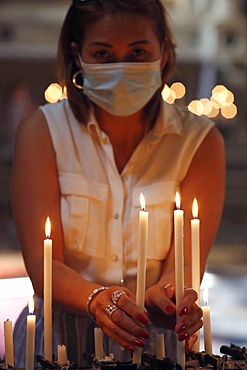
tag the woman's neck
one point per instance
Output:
(125, 133)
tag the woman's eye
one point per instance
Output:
(139, 52)
(102, 55)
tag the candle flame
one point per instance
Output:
(205, 296)
(31, 305)
(48, 228)
(177, 200)
(142, 201)
(195, 208)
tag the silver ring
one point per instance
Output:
(116, 295)
(167, 286)
(110, 309)
(189, 289)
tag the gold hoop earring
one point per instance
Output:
(75, 75)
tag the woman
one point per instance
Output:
(85, 161)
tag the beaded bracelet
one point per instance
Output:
(90, 297)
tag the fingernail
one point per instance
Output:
(143, 334)
(184, 311)
(143, 319)
(183, 336)
(139, 343)
(170, 308)
(130, 348)
(180, 330)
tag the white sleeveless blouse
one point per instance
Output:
(99, 206)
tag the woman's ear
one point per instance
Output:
(75, 51)
(164, 54)
(164, 58)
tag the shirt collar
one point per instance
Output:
(93, 126)
(169, 121)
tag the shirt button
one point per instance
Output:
(125, 178)
(114, 258)
(116, 216)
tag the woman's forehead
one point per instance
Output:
(120, 26)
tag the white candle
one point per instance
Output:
(62, 354)
(179, 269)
(142, 254)
(141, 268)
(160, 346)
(30, 336)
(48, 292)
(9, 346)
(195, 259)
(98, 343)
(207, 323)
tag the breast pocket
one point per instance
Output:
(159, 199)
(83, 210)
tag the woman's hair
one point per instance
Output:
(74, 30)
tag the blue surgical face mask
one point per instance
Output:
(121, 88)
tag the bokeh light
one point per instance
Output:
(207, 106)
(221, 100)
(229, 111)
(179, 89)
(196, 107)
(54, 93)
(214, 113)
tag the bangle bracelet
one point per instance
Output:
(90, 297)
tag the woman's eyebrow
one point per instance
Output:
(100, 43)
(139, 42)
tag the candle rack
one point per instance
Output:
(233, 358)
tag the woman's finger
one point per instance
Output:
(158, 298)
(122, 329)
(190, 341)
(128, 306)
(189, 323)
(189, 298)
(119, 317)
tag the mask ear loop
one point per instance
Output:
(74, 77)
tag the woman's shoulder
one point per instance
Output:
(36, 127)
(62, 105)
(179, 119)
(33, 124)
(189, 118)
(46, 119)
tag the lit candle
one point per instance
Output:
(160, 346)
(141, 268)
(179, 269)
(206, 323)
(62, 354)
(9, 347)
(195, 259)
(30, 336)
(98, 343)
(48, 292)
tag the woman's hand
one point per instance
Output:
(118, 316)
(160, 303)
